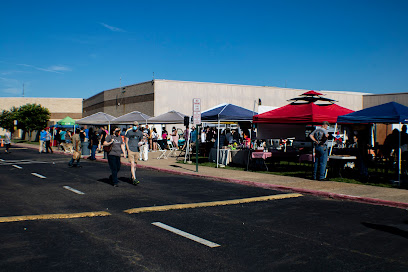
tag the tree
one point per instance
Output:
(7, 118)
(32, 117)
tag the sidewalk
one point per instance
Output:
(363, 193)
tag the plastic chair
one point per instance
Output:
(163, 152)
(171, 148)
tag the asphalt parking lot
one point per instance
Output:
(80, 222)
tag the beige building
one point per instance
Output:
(58, 107)
(159, 96)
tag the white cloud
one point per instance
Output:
(53, 69)
(59, 68)
(12, 91)
(112, 28)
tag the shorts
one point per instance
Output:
(133, 156)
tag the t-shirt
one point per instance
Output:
(7, 138)
(320, 135)
(47, 136)
(62, 133)
(134, 138)
(76, 142)
(117, 142)
(42, 135)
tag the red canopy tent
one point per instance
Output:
(290, 120)
(310, 113)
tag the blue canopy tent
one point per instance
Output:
(226, 113)
(389, 113)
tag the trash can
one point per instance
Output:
(84, 149)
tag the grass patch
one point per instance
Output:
(294, 169)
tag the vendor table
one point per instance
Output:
(227, 156)
(338, 161)
(257, 156)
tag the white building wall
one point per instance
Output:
(178, 95)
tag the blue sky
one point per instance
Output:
(79, 48)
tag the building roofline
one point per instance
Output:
(388, 94)
(127, 86)
(231, 84)
(18, 97)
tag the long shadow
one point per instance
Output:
(125, 179)
(106, 180)
(177, 166)
(109, 181)
(385, 228)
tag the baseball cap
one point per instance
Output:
(326, 123)
(136, 123)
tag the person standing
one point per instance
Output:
(43, 135)
(48, 141)
(155, 138)
(62, 135)
(132, 139)
(7, 140)
(319, 137)
(174, 137)
(118, 146)
(93, 143)
(76, 144)
(103, 135)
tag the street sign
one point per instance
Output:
(196, 111)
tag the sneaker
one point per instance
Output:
(135, 182)
(115, 185)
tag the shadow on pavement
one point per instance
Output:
(385, 228)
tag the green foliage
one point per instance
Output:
(29, 117)
(32, 117)
(7, 118)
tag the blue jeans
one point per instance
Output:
(114, 165)
(320, 162)
(93, 151)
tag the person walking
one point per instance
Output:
(43, 135)
(7, 140)
(48, 141)
(117, 146)
(76, 144)
(319, 137)
(132, 138)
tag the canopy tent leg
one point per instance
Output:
(218, 140)
(331, 148)
(399, 154)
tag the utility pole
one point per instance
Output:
(23, 89)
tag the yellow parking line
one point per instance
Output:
(210, 204)
(52, 216)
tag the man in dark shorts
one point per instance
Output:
(132, 138)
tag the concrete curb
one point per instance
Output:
(366, 200)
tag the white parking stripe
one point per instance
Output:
(38, 175)
(186, 235)
(73, 190)
(16, 166)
